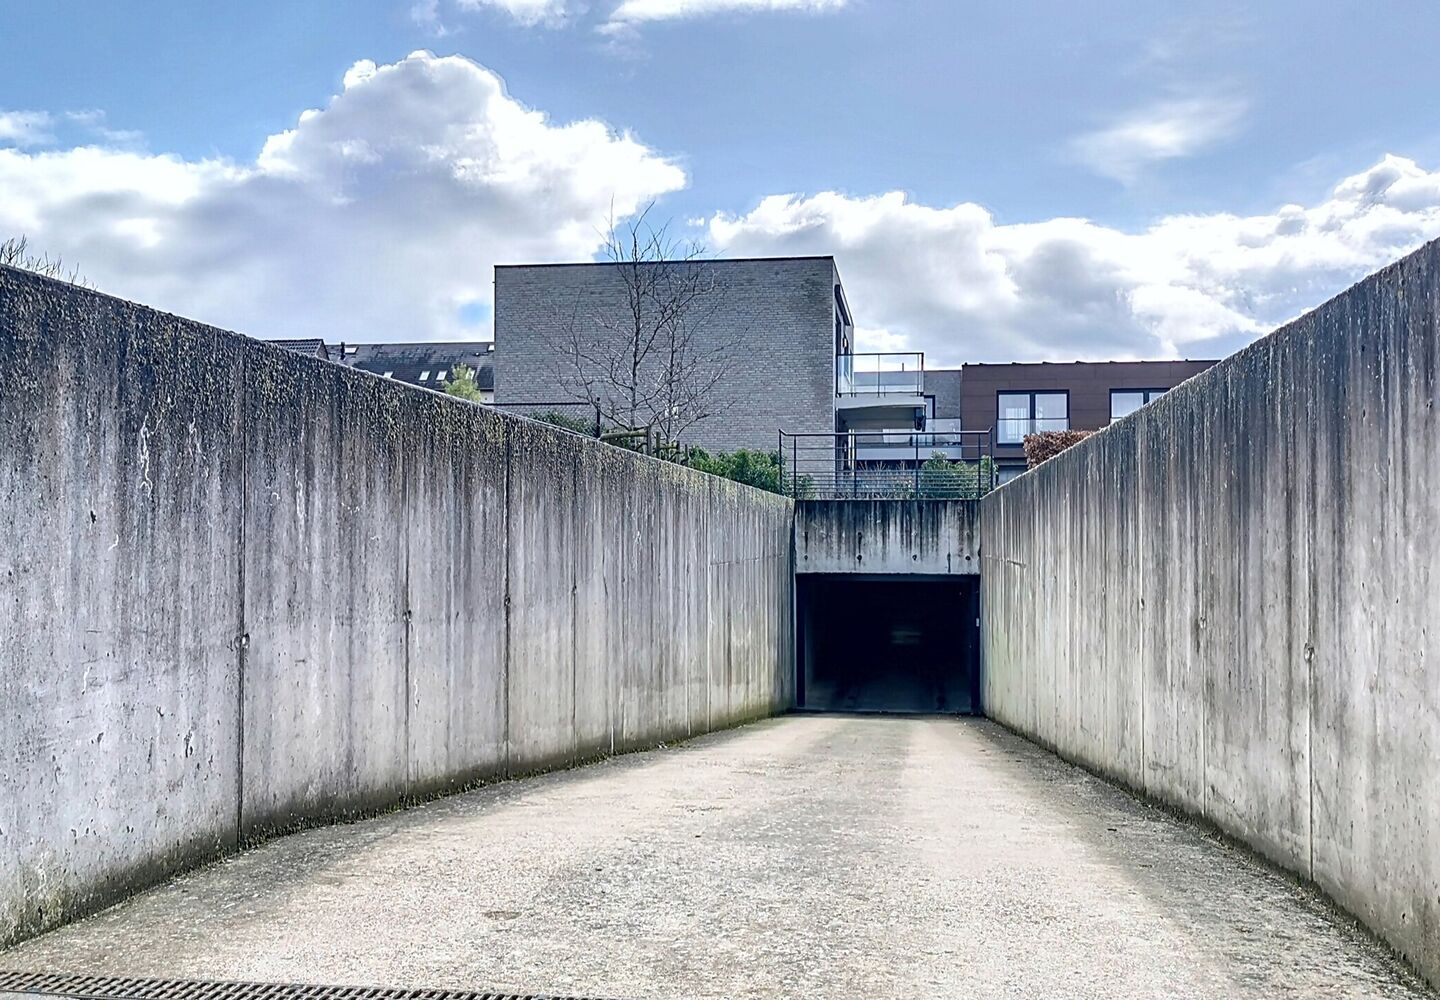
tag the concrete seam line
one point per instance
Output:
(505, 601)
(241, 640)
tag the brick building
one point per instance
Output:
(787, 334)
(1021, 398)
(782, 321)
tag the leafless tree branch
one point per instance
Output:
(655, 362)
(15, 252)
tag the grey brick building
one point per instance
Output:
(786, 317)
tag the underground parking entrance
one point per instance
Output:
(906, 644)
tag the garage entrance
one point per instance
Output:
(888, 644)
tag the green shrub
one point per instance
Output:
(566, 421)
(759, 469)
(940, 478)
(753, 468)
(462, 384)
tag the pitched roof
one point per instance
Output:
(434, 360)
(313, 346)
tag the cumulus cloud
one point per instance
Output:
(958, 285)
(25, 128)
(379, 215)
(1164, 131)
(376, 217)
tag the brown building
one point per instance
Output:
(1023, 398)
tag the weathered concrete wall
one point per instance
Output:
(1231, 601)
(887, 536)
(244, 590)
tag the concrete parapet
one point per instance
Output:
(1231, 601)
(245, 590)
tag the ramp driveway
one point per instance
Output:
(807, 856)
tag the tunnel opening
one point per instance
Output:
(906, 644)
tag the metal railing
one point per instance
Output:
(588, 419)
(901, 374)
(885, 465)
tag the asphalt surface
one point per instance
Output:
(808, 856)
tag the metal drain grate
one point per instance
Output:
(123, 988)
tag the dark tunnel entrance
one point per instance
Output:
(888, 644)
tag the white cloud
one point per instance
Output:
(379, 216)
(637, 11)
(426, 13)
(376, 217)
(1164, 131)
(527, 12)
(625, 17)
(25, 128)
(954, 283)
(95, 122)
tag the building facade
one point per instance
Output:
(780, 323)
(1023, 398)
(779, 335)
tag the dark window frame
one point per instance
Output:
(1141, 389)
(1032, 393)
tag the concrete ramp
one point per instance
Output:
(807, 856)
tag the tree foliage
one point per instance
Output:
(462, 383)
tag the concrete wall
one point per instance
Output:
(781, 312)
(888, 536)
(1231, 601)
(243, 590)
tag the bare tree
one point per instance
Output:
(655, 363)
(15, 252)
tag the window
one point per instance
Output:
(1124, 402)
(389, 374)
(440, 376)
(1005, 473)
(1022, 413)
(424, 376)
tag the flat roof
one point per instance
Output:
(411, 343)
(1016, 364)
(697, 260)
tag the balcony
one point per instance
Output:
(870, 375)
(905, 446)
(889, 388)
(888, 464)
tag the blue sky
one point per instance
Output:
(944, 151)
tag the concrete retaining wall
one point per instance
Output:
(1231, 601)
(245, 590)
(888, 536)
